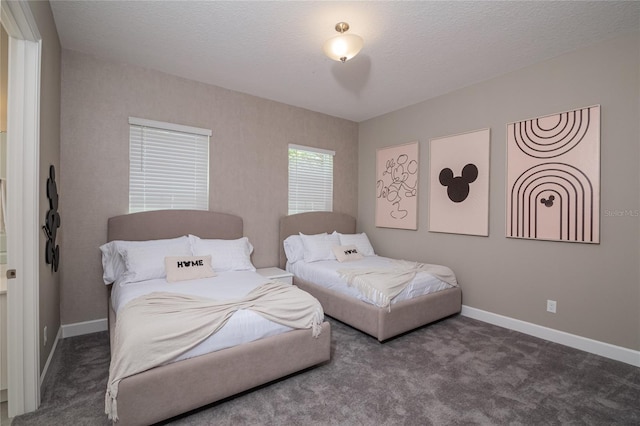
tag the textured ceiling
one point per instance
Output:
(413, 51)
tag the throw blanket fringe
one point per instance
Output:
(156, 328)
(381, 285)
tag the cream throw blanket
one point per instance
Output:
(381, 285)
(156, 328)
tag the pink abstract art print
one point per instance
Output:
(397, 186)
(553, 177)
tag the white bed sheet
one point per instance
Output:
(244, 325)
(325, 273)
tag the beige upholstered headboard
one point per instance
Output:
(161, 224)
(313, 223)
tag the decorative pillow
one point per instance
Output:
(294, 248)
(361, 241)
(113, 264)
(146, 262)
(347, 253)
(226, 255)
(319, 246)
(182, 268)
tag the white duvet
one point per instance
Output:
(325, 273)
(243, 327)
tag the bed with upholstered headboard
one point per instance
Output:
(382, 323)
(169, 390)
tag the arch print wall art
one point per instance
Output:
(553, 177)
(459, 183)
(397, 186)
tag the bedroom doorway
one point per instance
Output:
(22, 160)
(4, 71)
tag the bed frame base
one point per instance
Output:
(380, 322)
(182, 386)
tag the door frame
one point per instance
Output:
(23, 159)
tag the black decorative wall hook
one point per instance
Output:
(52, 221)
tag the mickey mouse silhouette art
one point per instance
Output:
(548, 202)
(52, 250)
(458, 187)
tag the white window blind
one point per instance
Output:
(310, 179)
(168, 166)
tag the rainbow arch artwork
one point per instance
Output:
(553, 177)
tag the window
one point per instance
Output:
(168, 166)
(310, 179)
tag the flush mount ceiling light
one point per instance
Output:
(344, 46)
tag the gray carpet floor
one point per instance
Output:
(458, 371)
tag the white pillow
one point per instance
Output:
(347, 253)
(226, 255)
(113, 265)
(361, 241)
(293, 248)
(146, 262)
(319, 246)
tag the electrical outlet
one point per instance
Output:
(44, 338)
(551, 306)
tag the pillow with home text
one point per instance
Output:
(347, 253)
(360, 240)
(183, 268)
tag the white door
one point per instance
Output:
(23, 118)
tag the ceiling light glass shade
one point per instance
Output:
(343, 47)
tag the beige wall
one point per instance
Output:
(597, 287)
(49, 154)
(248, 173)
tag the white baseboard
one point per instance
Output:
(606, 350)
(53, 350)
(72, 330)
(86, 327)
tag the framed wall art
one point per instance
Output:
(553, 177)
(459, 183)
(397, 186)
